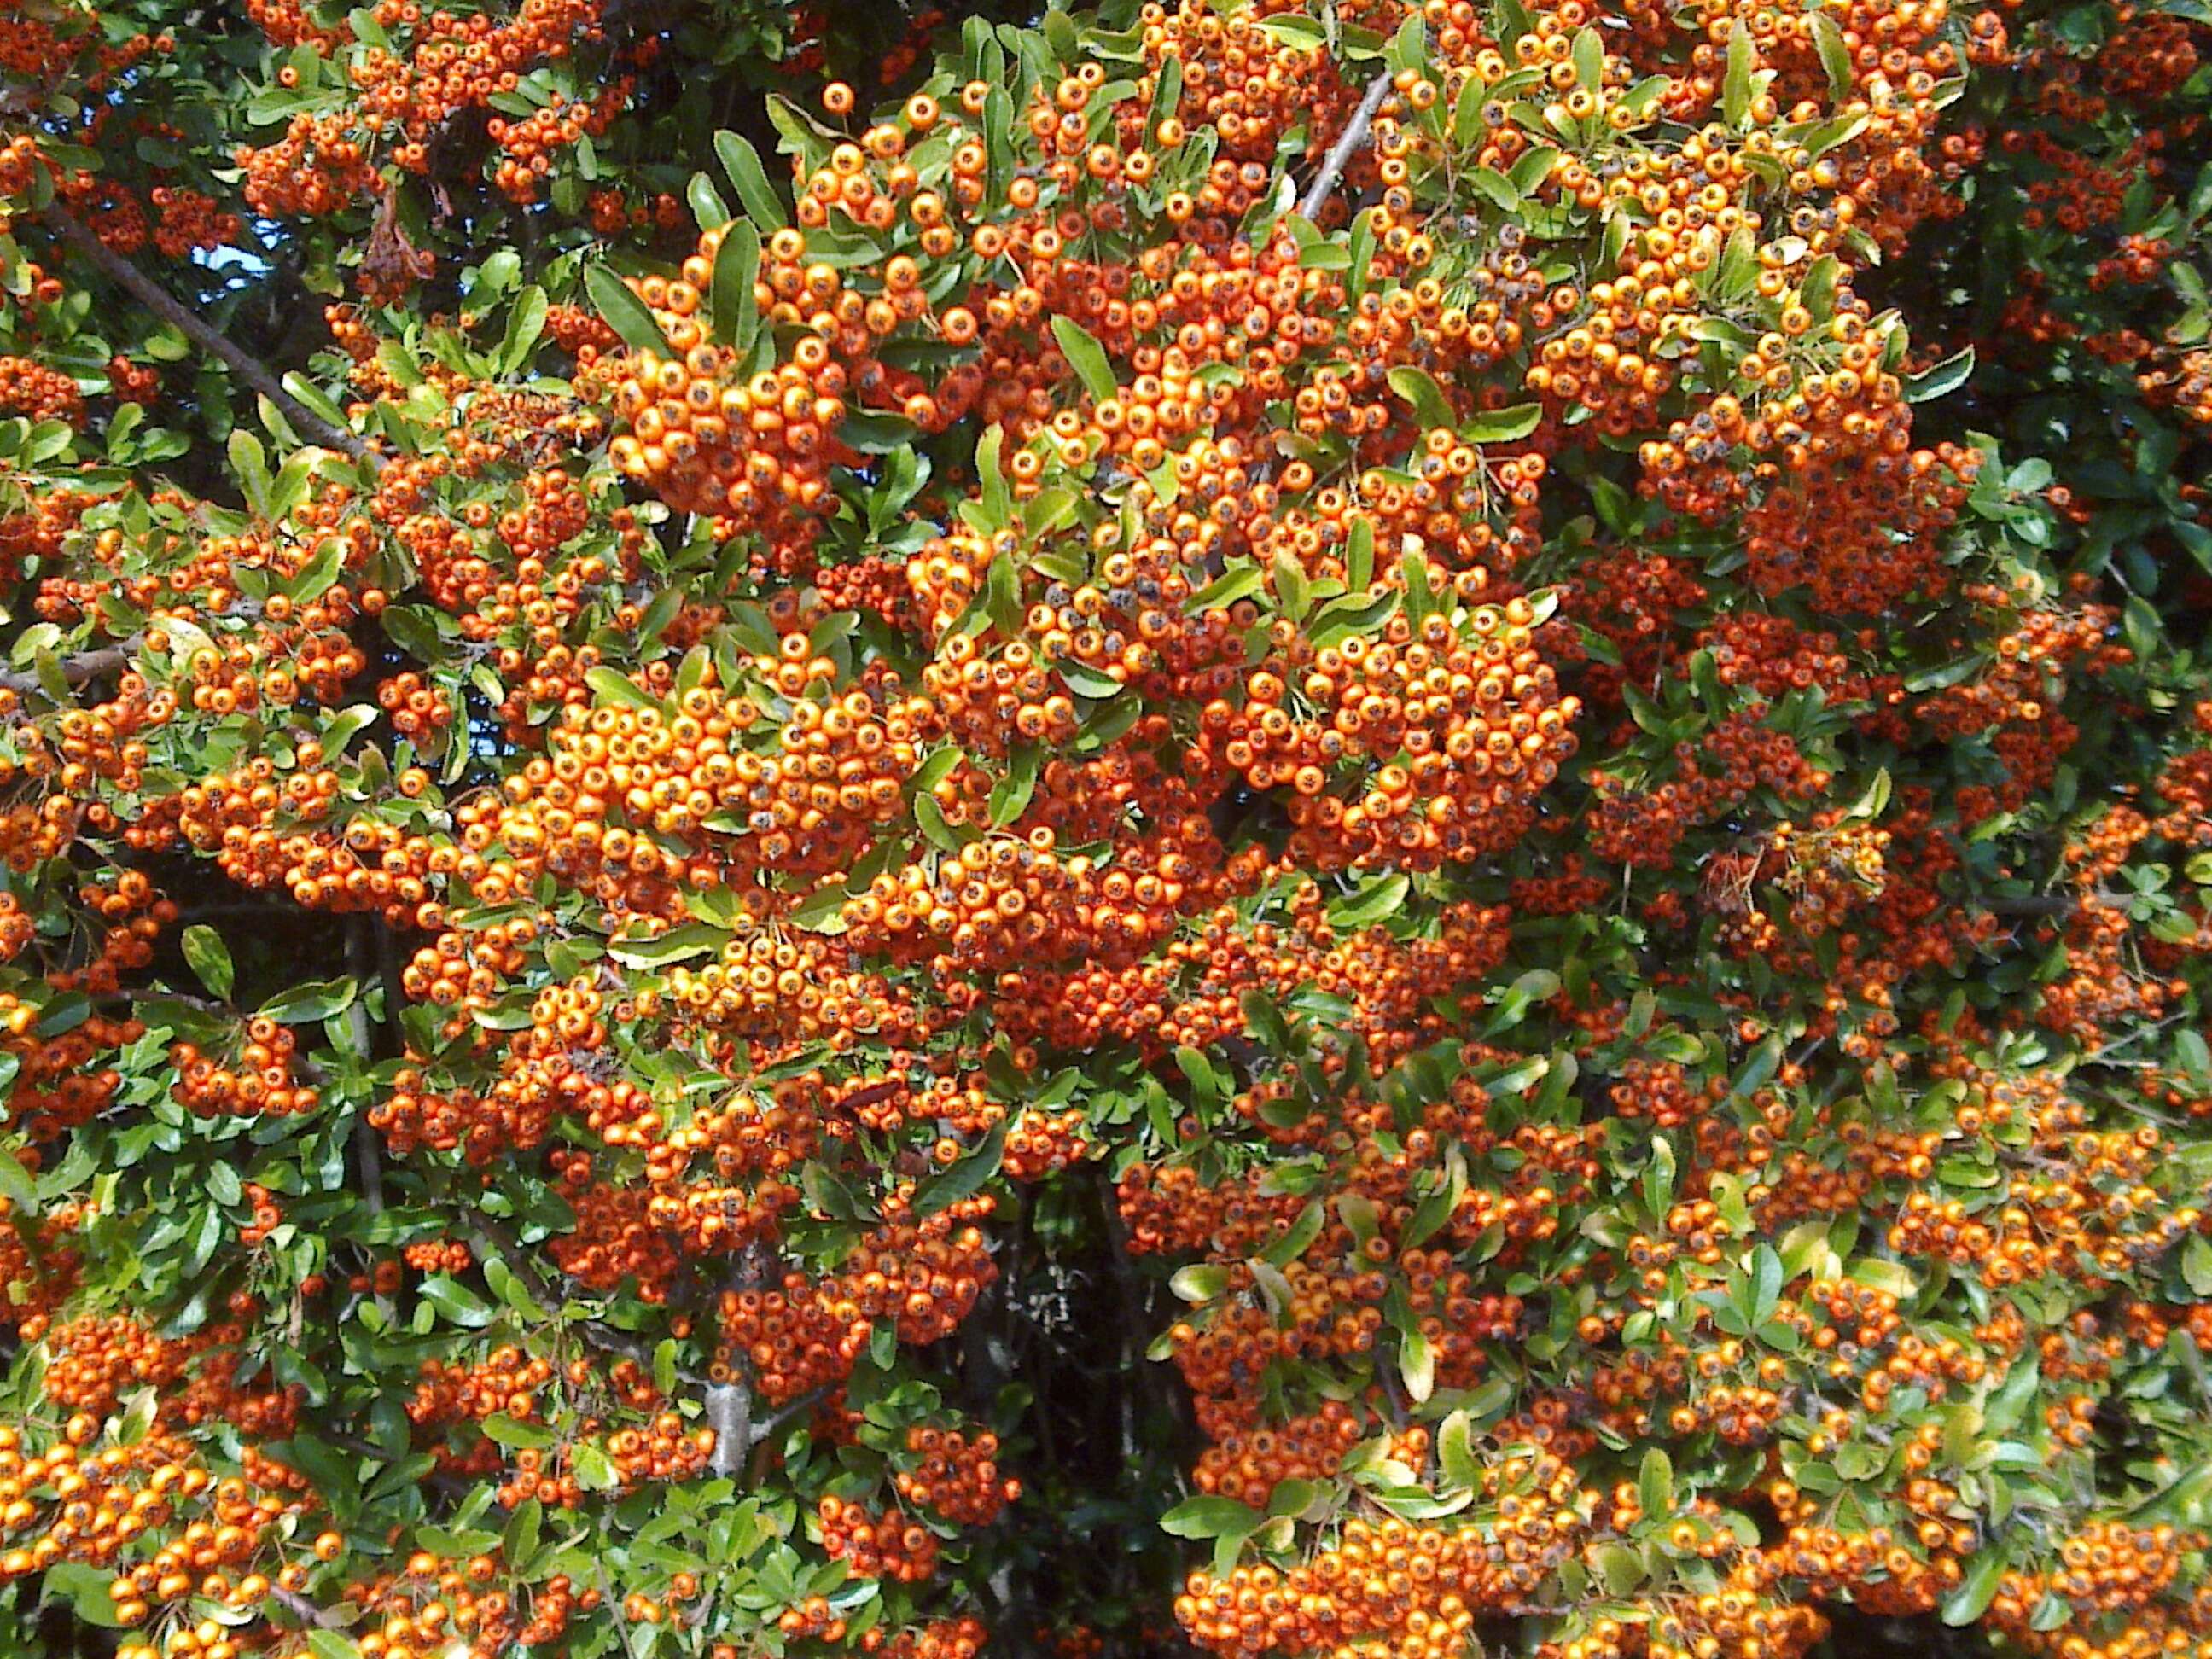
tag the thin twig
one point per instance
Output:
(765, 1430)
(2038, 904)
(166, 305)
(860, 1099)
(1340, 152)
(306, 1612)
(155, 993)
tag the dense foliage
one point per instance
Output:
(1244, 826)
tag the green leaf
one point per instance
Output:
(1818, 292)
(1420, 595)
(1009, 797)
(1292, 1244)
(1204, 1079)
(1659, 1178)
(1378, 899)
(526, 325)
(1945, 377)
(1767, 1278)
(930, 818)
(460, 1304)
(1641, 1007)
(1435, 1206)
(1359, 559)
(819, 911)
(804, 139)
(2196, 1266)
(209, 958)
(511, 1431)
(314, 398)
(1455, 1451)
(493, 276)
(316, 999)
(736, 266)
(1502, 426)
(1966, 1603)
(15, 1182)
(875, 432)
(1590, 58)
(1264, 1019)
(1829, 134)
(1167, 93)
(1533, 167)
(1466, 112)
(627, 315)
(933, 771)
(1207, 1517)
(1002, 597)
(1417, 1365)
(1655, 1483)
(1086, 357)
(1293, 28)
(83, 1586)
(708, 210)
(1240, 582)
(743, 163)
(965, 1178)
(1619, 1569)
(1322, 253)
(1835, 54)
(1297, 1498)
(1359, 1215)
(693, 938)
(519, 1543)
(1869, 805)
(249, 465)
(1735, 83)
(320, 574)
(595, 1470)
(1432, 409)
(1759, 1069)
(1199, 1283)
(1501, 191)
(997, 500)
(1409, 47)
(664, 609)
(613, 686)
(1361, 254)
(1088, 682)
(510, 1290)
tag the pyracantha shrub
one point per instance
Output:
(1229, 827)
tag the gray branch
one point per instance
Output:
(84, 666)
(166, 305)
(1347, 144)
(729, 1414)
